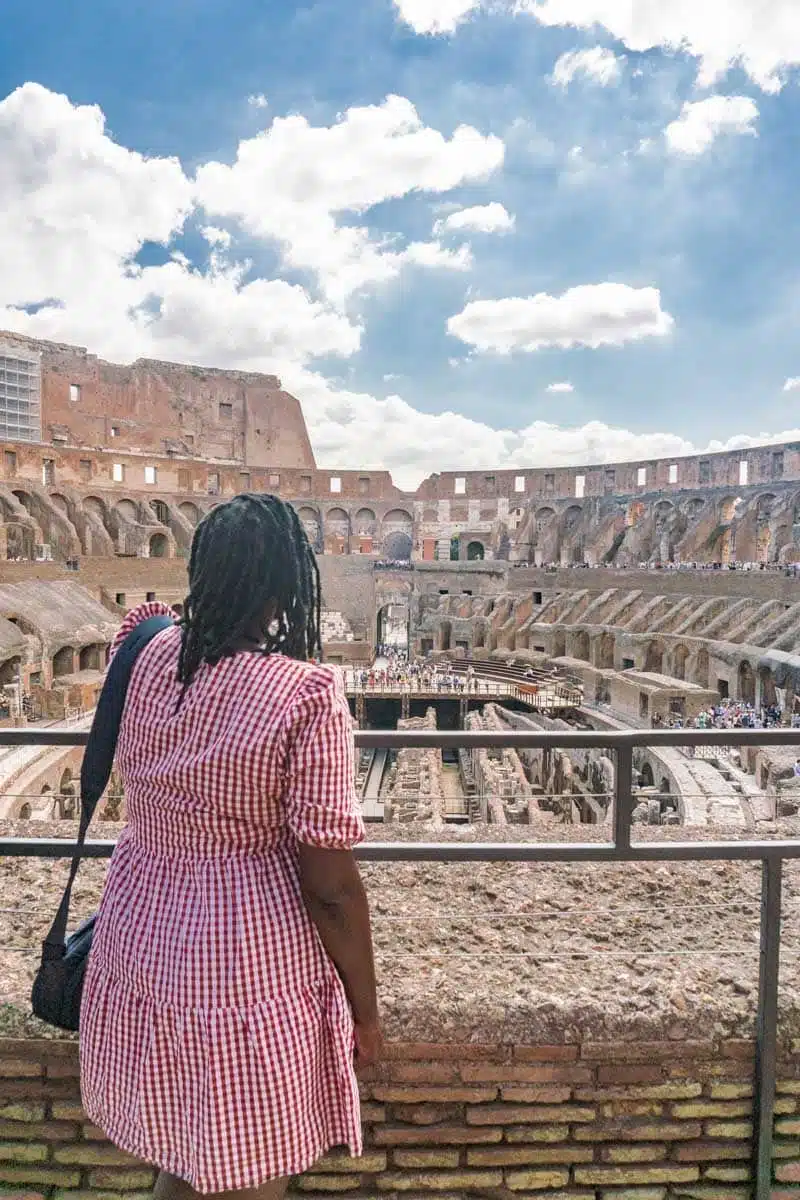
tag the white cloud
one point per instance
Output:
(701, 122)
(218, 238)
(564, 386)
(792, 384)
(482, 218)
(605, 314)
(598, 64)
(259, 100)
(762, 36)
(291, 183)
(435, 16)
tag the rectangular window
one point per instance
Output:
(705, 471)
(150, 597)
(627, 664)
(744, 472)
(460, 486)
(74, 392)
(11, 462)
(274, 481)
(537, 597)
(244, 481)
(226, 412)
(121, 599)
(519, 483)
(490, 481)
(641, 477)
(336, 484)
(184, 481)
(777, 464)
(213, 483)
(428, 549)
(114, 431)
(48, 472)
(580, 486)
(189, 440)
(673, 473)
(549, 485)
(363, 486)
(118, 473)
(151, 475)
(305, 484)
(610, 482)
(85, 466)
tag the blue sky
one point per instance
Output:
(649, 197)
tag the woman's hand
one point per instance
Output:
(369, 1043)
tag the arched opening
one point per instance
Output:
(767, 690)
(475, 552)
(392, 626)
(654, 659)
(63, 662)
(694, 507)
(94, 504)
(397, 535)
(9, 672)
(60, 502)
(158, 546)
(91, 658)
(701, 669)
(309, 519)
(679, 656)
(455, 549)
(747, 683)
(25, 811)
(24, 499)
(337, 528)
(161, 511)
(127, 510)
(646, 775)
(365, 522)
(190, 511)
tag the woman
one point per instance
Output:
(231, 981)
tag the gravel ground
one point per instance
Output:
(511, 952)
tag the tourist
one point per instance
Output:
(231, 979)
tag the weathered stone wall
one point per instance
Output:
(575, 1121)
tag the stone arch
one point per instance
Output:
(646, 774)
(572, 518)
(312, 524)
(94, 504)
(92, 658)
(654, 658)
(337, 530)
(365, 523)
(543, 518)
(161, 510)
(63, 662)
(60, 502)
(476, 551)
(397, 532)
(128, 510)
(190, 511)
(694, 507)
(764, 505)
(159, 546)
(747, 682)
(727, 508)
(680, 655)
(24, 498)
(9, 671)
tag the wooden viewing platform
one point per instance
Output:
(536, 695)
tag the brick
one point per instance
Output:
(368, 1164)
(654, 1091)
(788, 1172)
(440, 1182)
(45, 1131)
(63, 1070)
(646, 1052)
(421, 1072)
(788, 1087)
(728, 1129)
(634, 1193)
(537, 1133)
(434, 1135)
(789, 1127)
(601, 1176)
(23, 1152)
(372, 1112)
(782, 1149)
(40, 1089)
(784, 1105)
(20, 1068)
(740, 1049)
(518, 1114)
(92, 1134)
(45, 1176)
(526, 1181)
(645, 1152)
(22, 1112)
(18, 1194)
(425, 1114)
(711, 1192)
(707, 1108)
(67, 1112)
(88, 1155)
(632, 1108)
(707, 1152)
(510, 1156)
(629, 1074)
(546, 1053)
(123, 1181)
(519, 1094)
(425, 1158)
(732, 1091)
(328, 1183)
(640, 1131)
(728, 1174)
(514, 1073)
(445, 1051)
(432, 1095)
(775, 1194)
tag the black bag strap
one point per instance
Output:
(99, 757)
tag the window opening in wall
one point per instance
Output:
(444, 591)
(151, 475)
(305, 485)
(489, 480)
(151, 596)
(673, 473)
(644, 704)
(705, 471)
(244, 481)
(225, 412)
(363, 486)
(609, 482)
(120, 598)
(537, 597)
(455, 549)
(519, 483)
(114, 431)
(48, 472)
(336, 484)
(467, 592)
(723, 689)
(118, 473)
(11, 462)
(189, 440)
(274, 481)
(36, 678)
(744, 471)
(85, 466)
(627, 664)
(580, 486)
(184, 481)
(460, 486)
(74, 392)
(641, 477)
(777, 464)
(549, 485)
(213, 483)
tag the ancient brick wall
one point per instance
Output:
(589, 1121)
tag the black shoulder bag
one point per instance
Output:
(58, 986)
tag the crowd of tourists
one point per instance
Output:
(790, 569)
(393, 668)
(729, 714)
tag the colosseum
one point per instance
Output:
(581, 1030)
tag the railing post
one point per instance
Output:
(623, 797)
(767, 1023)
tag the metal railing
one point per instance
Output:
(620, 849)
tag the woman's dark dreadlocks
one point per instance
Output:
(250, 556)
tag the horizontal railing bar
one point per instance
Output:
(481, 851)
(374, 739)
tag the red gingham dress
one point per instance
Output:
(216, 1037)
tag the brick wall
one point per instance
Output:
(635, 1121)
